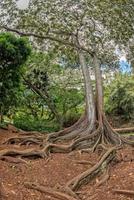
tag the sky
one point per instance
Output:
(124, 66)
(23, 3)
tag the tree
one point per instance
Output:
(54, 83)
(120, 97)
(87, 27)
(14, 52)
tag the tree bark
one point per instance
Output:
(86, 124)
(90, 105)
(99, 88)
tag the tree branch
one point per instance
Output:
(45, 96)
(47, 37)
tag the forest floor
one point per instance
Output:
(59, 169)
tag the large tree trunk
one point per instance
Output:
(99, 88)
(90, 105)
(86, 124)
(107, 134)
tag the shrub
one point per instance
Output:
(29, 123)
(119, 97)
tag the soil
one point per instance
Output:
(59, 169)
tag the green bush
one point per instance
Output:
(14, 52)
(29, 123)
(119, 97)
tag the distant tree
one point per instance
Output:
(56, 83)
(119, 97)
(14, 52)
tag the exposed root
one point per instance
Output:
(86, 141)
(114, 136)
(32, 133)
(110, 136)
(125, 192)
(124, 130)
(89, 150)
(101, 136)
(13, 160)
(57, 135)
(80, 143)
(23, 153)
(80, 129)
(104, 179)
(68, 191)
(56, 148)
(96, 143)
(49, 191)
(12, 128)
(83, 138)
(44, 152)
(102, 146)
(83, 162)
(86, 176)
(65, 190)
(127, 141)
(25, 140)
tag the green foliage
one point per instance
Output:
(34, 114)
(29, 123)
(69, 102)
(119, 97)
(60, 86)
(14, 51)
(13, 54)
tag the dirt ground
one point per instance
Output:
(61, 168)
